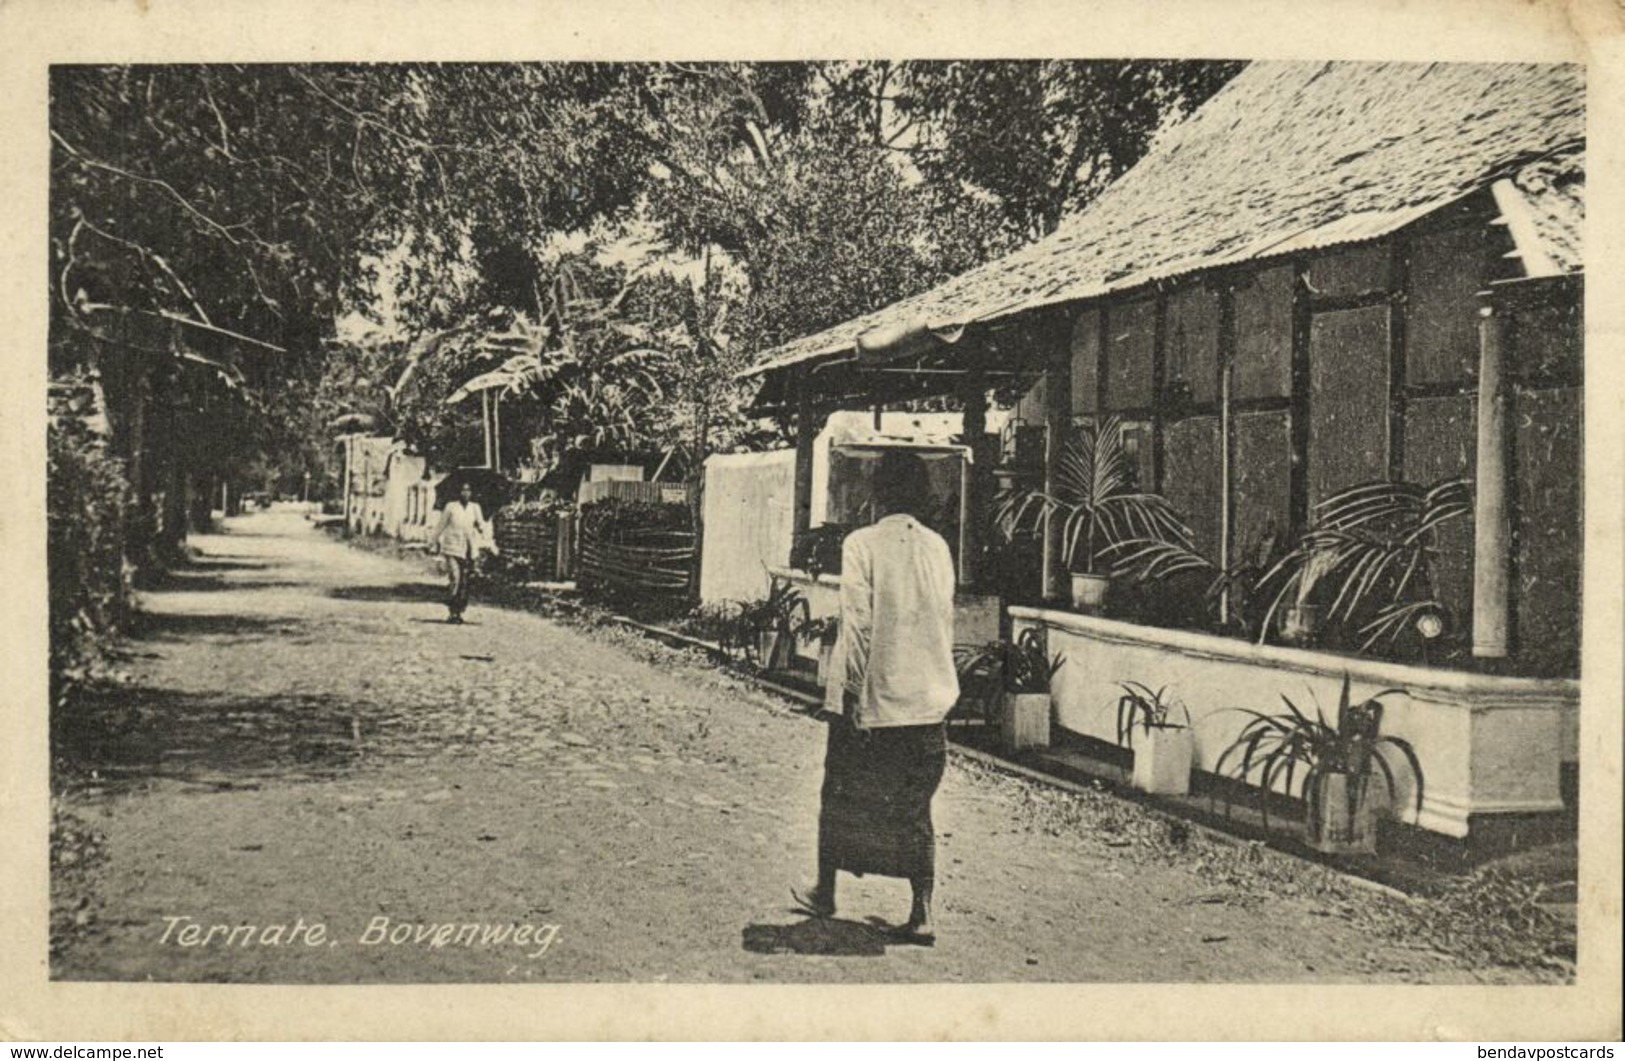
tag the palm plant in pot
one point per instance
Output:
(1234, 598)
(1095, 497)
(1339, 764)
(1015, 677)
(1162, 759)
(772, 622)
(1366, 565)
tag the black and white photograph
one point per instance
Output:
(730, 519)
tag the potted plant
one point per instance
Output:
(821, 632)
(1162, 759)
(1015, 677)
(1366, 566)
(1339, 763)
(1301, 620)
(773, 621)
(1095, 498)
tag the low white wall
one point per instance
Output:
(1488, 745)
(369, 466)
(403, 479)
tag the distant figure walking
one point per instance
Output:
(459, 537)
(891, 687)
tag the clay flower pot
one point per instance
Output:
(1300, 623)
(1162, 760)
(1340, 818)
(1089, 592)
(774, 650)
(1023, 721)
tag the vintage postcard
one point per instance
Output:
(757, 521)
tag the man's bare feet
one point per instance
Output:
(816, 901)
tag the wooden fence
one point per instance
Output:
(654, 493)
(637, 561)
(545, 541)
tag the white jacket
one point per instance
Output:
(463, 530)
(895, 648)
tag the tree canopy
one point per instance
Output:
(253, 250)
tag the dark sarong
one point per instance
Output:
(875, 814)
(458, 571)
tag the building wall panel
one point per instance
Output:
(1447, 271)
(1549, 533)
(1191, 342)
(1354, 271)
(1263, 366)
(1192, 478)
(1263, 476)
(1348, 396)
(1131, 336)
(1441, 442)
(1085, 364)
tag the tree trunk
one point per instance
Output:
(172, 528)
(177, 481)
(146, 477)
(200, 506)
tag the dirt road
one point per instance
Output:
(313, 746)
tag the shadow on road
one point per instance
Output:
(176, 626)
(826, 936)
(224, 562)
(122, 736)
(198, 581)
(410, 592)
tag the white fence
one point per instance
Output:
(748, 523)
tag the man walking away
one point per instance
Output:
(459, 537)
(891, 687)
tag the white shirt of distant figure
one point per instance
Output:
(894, 653)
(463, 530)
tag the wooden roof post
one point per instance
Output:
(1492, 532)
(1057, 423)
(806, 434)
(1228, 547)
(978, 477)
(349, 481)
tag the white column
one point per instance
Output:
(1492, 530)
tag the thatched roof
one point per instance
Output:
(1288, 157)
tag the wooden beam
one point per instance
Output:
(1400, 276)
(1378, 296)
(496, 431)
(978, 480)
(1159, 382)
(485, 426)
(1531, 249)
(1227, 443)
(1298, 475)
(806, 435)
